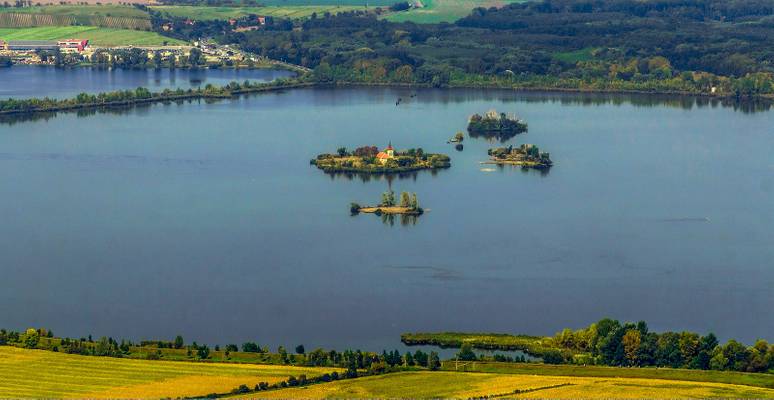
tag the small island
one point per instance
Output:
(494, 124)
(370, 160)
(526, 156)
(408, 205)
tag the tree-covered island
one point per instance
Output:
(526, 156)
(369, 159)
(408, 205)
(493, 124)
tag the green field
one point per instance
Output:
(435, 11)
(97, 36)
(41, 373)
(468, 385)
(586, 54)
(694, 375)
(46, 374)
(370, 3)
(108, 16)
(81, 11)
(291, 12)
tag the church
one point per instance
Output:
(387, 154)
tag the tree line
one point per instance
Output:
(352, 360)
(686, 46)
(610, 342)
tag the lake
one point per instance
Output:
(206, 220)
(39, 81)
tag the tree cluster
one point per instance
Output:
(632, 344)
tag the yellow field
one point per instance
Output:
(465, 385)
(38, 373)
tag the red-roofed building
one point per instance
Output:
(387, 154)
(72, 45)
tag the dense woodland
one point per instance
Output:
(653, 45)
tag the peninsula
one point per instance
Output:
(369, 159)
(494, 124)
(526, 156)
(408, 205)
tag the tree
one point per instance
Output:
(414, 203)
(157, 59)
(388, 199)
(194, 57)
(31, 338)
(433, 362)
(300, 349)
(405, 199)
(203, 352)
(466, 353)
(232, 348)
(459, 136)
(251, 347)
(631, 343)
(179, 342)
(342, 151)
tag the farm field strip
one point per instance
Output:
(81, 11)
(38, 373)
(465, 385)
(211, 13)
(96, 35)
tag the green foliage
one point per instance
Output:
(31, 338)
(203, 352)
(466, 353)
(388, 199)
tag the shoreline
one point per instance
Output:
(159, 97)
(390, 210)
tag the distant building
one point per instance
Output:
(247, 28)
(27, 45)
(72, 45)
(3, 45)
(387, 154)
(262, 20)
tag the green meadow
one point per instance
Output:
(96, 35)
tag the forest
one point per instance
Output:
(685, 46)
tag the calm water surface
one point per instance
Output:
(38, 81)
(207, 220)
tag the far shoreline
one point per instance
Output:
(299, 82)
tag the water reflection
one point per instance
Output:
(686, 102)
(405, 219)
(377, 177)
(426, 96)
(493, 137)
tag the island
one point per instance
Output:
(408, 205)
(495, 125)
(526, 156)
(369, 160)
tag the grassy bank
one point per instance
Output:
(97, 36)
(45, 374)
(725, 377)
(534, 345)
(467, 385)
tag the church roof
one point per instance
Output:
(382, 155)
